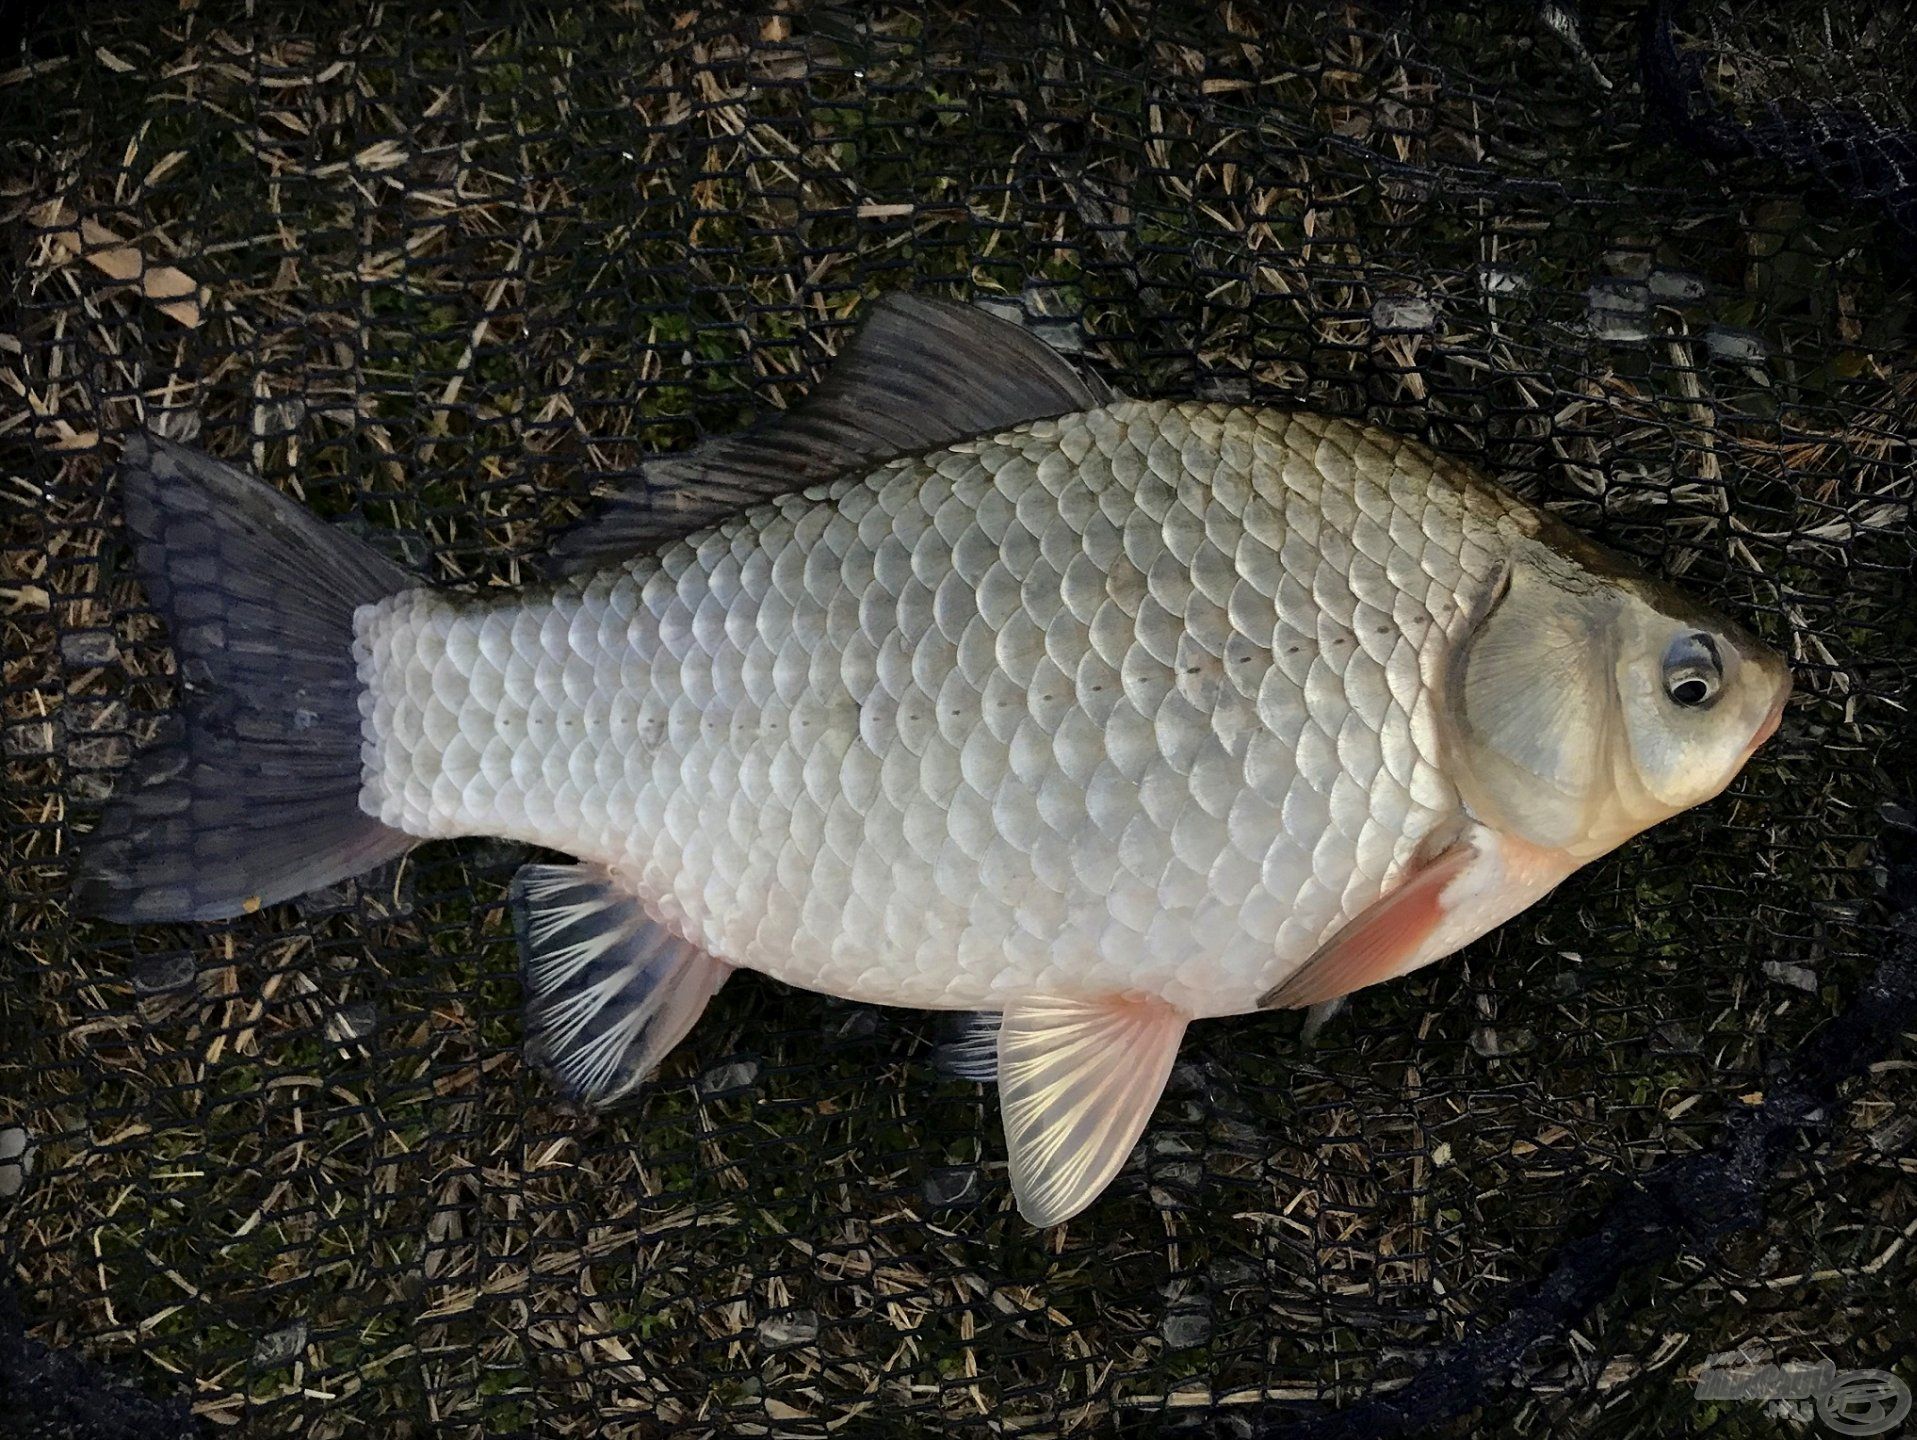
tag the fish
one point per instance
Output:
(966, 684)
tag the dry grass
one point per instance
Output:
(449, 278)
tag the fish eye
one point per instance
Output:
(1693, 671)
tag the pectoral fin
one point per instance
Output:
(1381, 942)
(1077, 1081)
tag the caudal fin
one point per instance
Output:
(251, 795)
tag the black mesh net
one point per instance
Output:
(441, 271)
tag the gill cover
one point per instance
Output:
(1590, 702)
(1532, 701)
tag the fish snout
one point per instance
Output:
(1775, 715)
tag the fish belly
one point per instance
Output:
(1140, 699)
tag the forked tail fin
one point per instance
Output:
(252, 795)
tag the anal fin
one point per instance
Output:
(1078, 1079)
(609, 990)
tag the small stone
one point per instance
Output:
(1407, 187)
(1064, 336)
(415, 551)
(1798, 977)
(1735, 346)
(1040, 298)
(1618, 1372)
(326, 900)
(278, 418)
(728, 1078)
(1503, 280)
(1186, 1325)
(1564, 20)
(1415, 314)
(1189, 1077)
(1619, 310)
(1000, 308)
(1319, 1016)
(356, 1021)
(789, 1328)
(276, 1347)
(160, 974)
(88, 717)
(89, 649)
(1032, 312)
(175, 422)
(952, 1185)
(1672, 1037)
(1182, 1175)
(16, 1160)
(1232, 1272)
(1618, 295)
(1493, 1043)
(1236, 1137)
(1224, 389)
(1676, 285)
(1619, 329)
(1627, 264)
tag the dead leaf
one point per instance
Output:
(175, 292)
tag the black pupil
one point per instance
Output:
(1691, 692)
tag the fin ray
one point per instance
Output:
(972, 1051)
(1381, 942)
(917, 375)
(251, 796)
(609, 990)
(1078, 1079)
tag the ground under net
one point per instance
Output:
(443, 272)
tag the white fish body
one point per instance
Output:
(1137, 699)
(1113, 716)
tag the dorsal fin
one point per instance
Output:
(918, 375)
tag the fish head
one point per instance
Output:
(1698, 693)
(1588, 701)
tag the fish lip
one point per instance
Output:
(1772, 720)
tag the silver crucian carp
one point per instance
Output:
(965, 685)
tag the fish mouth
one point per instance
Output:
(1772, 720)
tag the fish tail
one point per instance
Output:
(251, 793)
